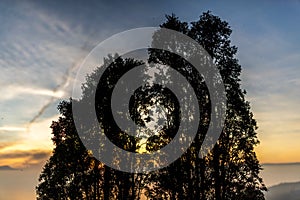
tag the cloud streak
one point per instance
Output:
(39, 67)
(23, 159)
(66, 78)
(34, 154)
(10, 128)
(13, 91)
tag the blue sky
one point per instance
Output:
(42, 43)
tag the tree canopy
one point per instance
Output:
(229, 171)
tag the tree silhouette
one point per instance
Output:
(229, 171)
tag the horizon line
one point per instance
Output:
(281, 163)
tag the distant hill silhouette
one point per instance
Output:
(287, 191)
(6, 167)
(280, 164)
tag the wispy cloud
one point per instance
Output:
(13, 91)
(35, 155)
(23, 159)
(18, 149)
(37, 66)
(21, 149)
(65, 81)
(10, 128)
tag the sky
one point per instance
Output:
(42, 44)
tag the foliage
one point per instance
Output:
(229, 171)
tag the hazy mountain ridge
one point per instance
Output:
(287, 191)
(280, 164)
(6, 167)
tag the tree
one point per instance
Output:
(72, 172)
(229, 171)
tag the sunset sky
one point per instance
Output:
(42, 43)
